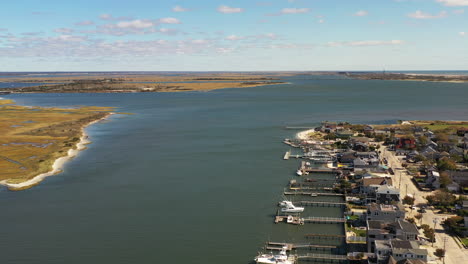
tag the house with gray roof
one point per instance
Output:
(399, 250)
(383, 230)
(385, 212)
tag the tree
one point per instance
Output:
(330, 136)
(419, 217)
(445, 179)
(445, 164)
(423, 140)
(441, 197)
(419, 157)
(408, 200)
(411, 220)
(440, 253)
(430, 234)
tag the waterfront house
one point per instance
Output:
(387, 194)
(382, 230)
(399, 250)
(391, 260)
(369, 184)
(347, 157)
(385, 212)
(368, 130)
(344, 133)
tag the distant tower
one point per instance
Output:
(383, 71)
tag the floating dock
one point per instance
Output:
(286, 155)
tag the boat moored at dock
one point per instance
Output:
(281, 258)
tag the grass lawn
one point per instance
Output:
(464, 241)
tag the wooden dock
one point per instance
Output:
(323, 257)
(322, 203)
(330, 220)
(313, 194)
(325, 236)
(291, 246)
(295, 220)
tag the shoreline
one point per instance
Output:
(302, 135)
(147, 90)
(57, 166)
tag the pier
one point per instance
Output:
(325, 236)
(330, 220)
(323, 203)
(313, 194)
(295, 220)
(286, 155)
(294, 127)
(323, 257)
(290, 246)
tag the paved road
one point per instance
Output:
(454, 254)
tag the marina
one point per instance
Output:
(315, 186)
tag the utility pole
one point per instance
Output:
(399, 185)
(435, 222)
(445, 240)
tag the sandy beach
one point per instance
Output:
(303, 135)
(58, 163)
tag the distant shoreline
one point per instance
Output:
(59, 163)
(449, 78)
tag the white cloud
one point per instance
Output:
(63, 30)
(137, 24)
(105, 16)
(229, 10)
(169, 20)
(168, 31)
(463, 34)
(321, 21)
(85, 23)
(294, 10)
(365, 43)
(361, 13)
(234, 37)
(454, 2)
(110, 17)
(423, 15)
(200, 41)
(178, 8)
(458, 11)
(70, 38)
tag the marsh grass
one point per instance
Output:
(45, 134)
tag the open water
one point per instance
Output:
(193, 177)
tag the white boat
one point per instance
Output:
(299, 173)
(281, 258)
(288, 207)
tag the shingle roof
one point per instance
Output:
(408, 227)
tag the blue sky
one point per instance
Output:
(236, 35)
